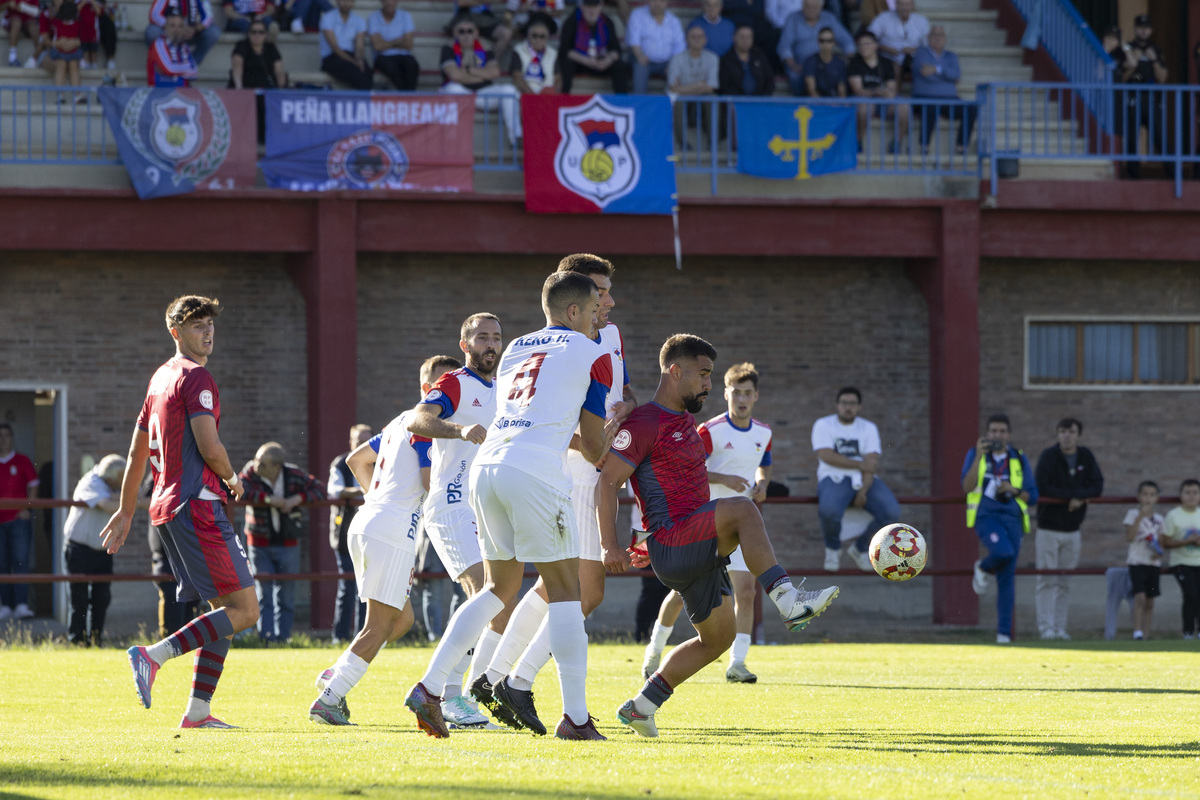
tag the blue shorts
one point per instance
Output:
(691, 565)
(59, 55)
(206, 556)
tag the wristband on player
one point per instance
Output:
(234, 481)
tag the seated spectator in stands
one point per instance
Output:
(66, 50)
(391, 32)
(745, 70)
(654, 36)
(800, 37)
(344, 46)
(302, 15)
(470, 69)
(532, 64)
(590, 47)
(521, 13)
(22, 15)
(240, 13)
(717, 30)
(869, 75)
(489, 25)
(274, 526)
(693, 73)
(824, 71)
(936, 74)
(85, 555)
(900, 33)
(197, 30)
(868, 10)
(753, 13)
(170, 61)
(256, 63)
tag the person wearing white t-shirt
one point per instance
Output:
(1143, 528)
(848, 450)
(1181, 535)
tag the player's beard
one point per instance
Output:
(694, 403)
(475, 362)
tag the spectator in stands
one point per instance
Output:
(66, 50)
(654, 36)
(391, 30)
(848, 452)
(239, 14)
(274, 526)
(900, 33)
(935, 75)
(1142, 66)
(533, 62)
(302, 15)
(22, 16)
(824, 71)
(1143, 531)
(870, 76)
(89, 32)
(1067, 472)
(196, 28)
(18, 479)
(1181, 535)
(745, 70)
(344, 46)
(169, 61)
(1000, 487)
(693, 73)
(84, 553)
(801, 36)
(590, 46)
(778, 11)
(868, 10)
(754, 14)
(343, 485)
(488, 25)
(470, 69)
(718, 31)
(256, 63)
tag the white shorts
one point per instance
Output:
(384, 571)
(737, 562)
(455, 536)
(522, 517)
(583, 499)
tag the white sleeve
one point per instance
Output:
(870, 442)
(822, 438)
(1130, 516)
(91, 490)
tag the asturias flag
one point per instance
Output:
(779, 140)
(600, 154)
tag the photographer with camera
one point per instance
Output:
(1000, 487)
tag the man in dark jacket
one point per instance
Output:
(343, 486)
(745, 70)
(1070, 474)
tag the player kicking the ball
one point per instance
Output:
(394, 466)
(691, 537)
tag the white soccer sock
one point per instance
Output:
(784, 596)
(348, 670)
(523, 625)
(741, 646)
(568, 642)
(644, 705)
(485, 649)
(454, 681)
(463, 631)
(659, 636)
(525, 671)
(160, 652)
(197, 709)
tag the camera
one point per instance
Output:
(1005, 497)
(994, 445)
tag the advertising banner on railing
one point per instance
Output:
(606, 154)
(318, 141)
(174, 141)
(780, 140)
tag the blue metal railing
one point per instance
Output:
(1073, 46)
(54, 125)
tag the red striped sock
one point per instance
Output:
(205, 629)
(210, 661)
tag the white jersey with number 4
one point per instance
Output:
(584, 472)
(466, 399)
(735, 451)
(544, 379)
(391, 509)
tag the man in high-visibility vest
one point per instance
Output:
(1000, 489)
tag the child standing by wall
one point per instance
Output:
(66, 50)
(1143, 528)
(1181, 535)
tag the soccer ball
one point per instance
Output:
(898, 552)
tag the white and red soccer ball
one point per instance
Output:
(898, 552)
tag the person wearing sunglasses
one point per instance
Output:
(532, 65)
(824, 71)
(469, 68)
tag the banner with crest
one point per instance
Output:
(607, 154)
(177, 140)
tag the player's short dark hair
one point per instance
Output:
(1000, 418)
(1067, 422)
(1188, 482)
(4, 426)
(825, 29)
(848, 390)
(191, 306)
(434, 363)
(684, 346)
(586, 264)
(565, 289)
(470, 322)
(744, 371)
(863, 33)
(1151, 484)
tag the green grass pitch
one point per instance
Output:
(963, 720)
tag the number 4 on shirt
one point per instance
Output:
(525, 381)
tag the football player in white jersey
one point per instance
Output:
(739, 465)
(394, 469)
(549, 382)
(455, 414)
(525, 647)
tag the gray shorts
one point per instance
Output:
(692, 565)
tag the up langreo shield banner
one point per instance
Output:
(178, 140)
(320, 141)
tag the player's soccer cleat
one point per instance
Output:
(428, 710)
(651, 661)
(144, 670)
(737, 673)
(808, 606)
(979, 582)
(484, 693)
(861, 559)
(641, 725)
(323, 681)
(459, 712)
(587, 731)
(520, 703)
(327, 714)
(208, 722)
